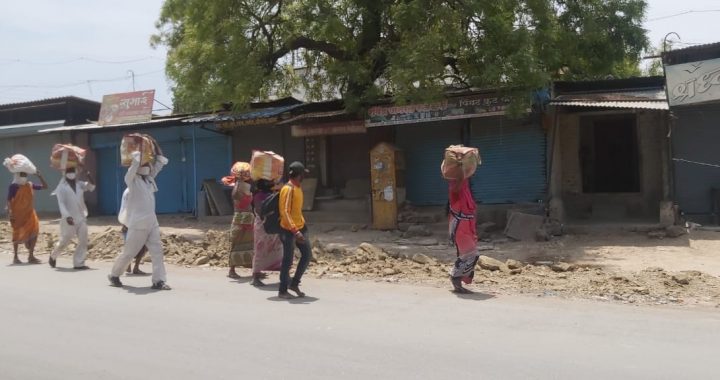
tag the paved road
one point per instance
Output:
(59, 324)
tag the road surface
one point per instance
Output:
(61, 324)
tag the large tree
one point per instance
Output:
(244, 50)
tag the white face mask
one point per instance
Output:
(71, 176)
(143, 170)
(22, 180)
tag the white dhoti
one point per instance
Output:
(136, 239)
(67, 233)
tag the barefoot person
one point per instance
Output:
(122, 218)
(462, 233)
(142, 223)
(138, 258)
(294, 232)
(21, 212)
(70, 194)
(241, 229)
(268, 252)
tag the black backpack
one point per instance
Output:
(270, 213)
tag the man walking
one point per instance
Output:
(141, 221)
(294, 232)
(71, 200)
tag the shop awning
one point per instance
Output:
(94, 126)
(270, 115)
(648, 99)
(16, 130)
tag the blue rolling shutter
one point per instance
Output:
(513, 168)
(424, 147)
(110, 180)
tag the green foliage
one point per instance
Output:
(243, 50)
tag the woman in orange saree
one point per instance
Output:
(23, 219)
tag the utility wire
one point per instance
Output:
(684, 13)
(78, 83)
(9, 61)
(695, 162)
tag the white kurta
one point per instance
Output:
(72, 205)
(138, 214)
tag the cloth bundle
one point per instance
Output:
(460, 162)
(240, 171)
(63, 156)
(19, 164)
(137, 142)
(266, 165)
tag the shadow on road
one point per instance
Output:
(270, 287)
(240, 280)
(474, 296)
(302, 301)
(140, 291)
(24, 264)
(73, 270)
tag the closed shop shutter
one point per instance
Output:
(110, 183)
(424, 146)
(695, 138)
(513, 161)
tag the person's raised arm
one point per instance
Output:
(132, 170)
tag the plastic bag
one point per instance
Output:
(137, 142)
(266, 165)
(65, 156)
(460, 162)
(20, 164)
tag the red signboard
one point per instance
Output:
(129, 107)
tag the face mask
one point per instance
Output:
(71, 176)
(22, 180)
(143, 170)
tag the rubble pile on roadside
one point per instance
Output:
(369, 261)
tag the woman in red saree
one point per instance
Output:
(463, 233)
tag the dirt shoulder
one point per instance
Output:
(620, 267)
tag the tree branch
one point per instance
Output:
(302, 42)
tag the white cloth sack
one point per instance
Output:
(19, 164)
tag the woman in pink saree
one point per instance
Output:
(268, 248)
(463, 233)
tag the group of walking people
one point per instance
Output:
(252, 244)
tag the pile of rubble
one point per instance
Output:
(368, 261)
(209, 249)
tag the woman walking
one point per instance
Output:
(463, 233)
(241, 229)
(268, 247)
(21, 211)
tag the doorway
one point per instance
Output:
(609, 155)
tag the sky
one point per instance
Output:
(88, 48)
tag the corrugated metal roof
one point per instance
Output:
(652, 105)
(46, 101)
(17, 130)
(92, 126)
(641, 99)
(255, 114)
(314, 115)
